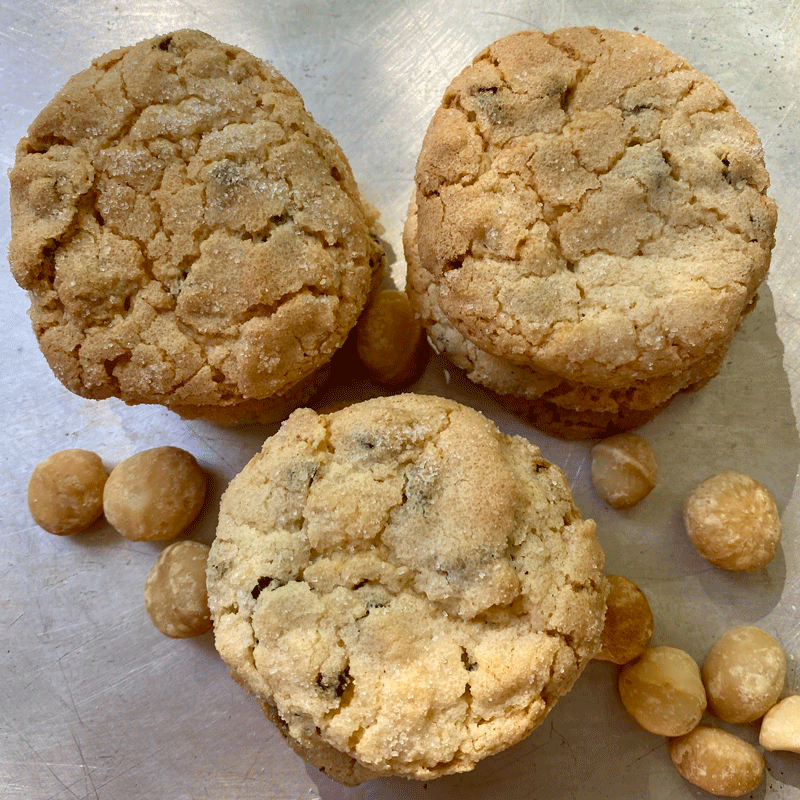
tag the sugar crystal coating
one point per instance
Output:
(405, 589)
(188, 234)
(588, 228)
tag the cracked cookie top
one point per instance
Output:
(593, 206)
(403, 586)
(188, 234)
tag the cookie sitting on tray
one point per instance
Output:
(188, 235)
(405, 589)
(589, 226)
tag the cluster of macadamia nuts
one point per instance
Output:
(731, 519)
(741, 681)
(153, 495)
(733, 522)
(665, 690)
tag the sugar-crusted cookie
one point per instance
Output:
(590, 207)
(405, 589)
(188, 234)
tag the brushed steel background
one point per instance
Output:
(95, 703)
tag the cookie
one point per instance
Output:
(590, 207)
(405, 589)
(188, 235)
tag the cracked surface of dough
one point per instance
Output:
(552, 403)
(187, 233)
(592, 207)
(404, 588)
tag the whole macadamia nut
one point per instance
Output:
(624, 469)
(733, 521)
(662, 690)
(780, 728)
(65, 491)
(717, 761)
(175, 593)
(154, 495)
(744, 674)
(389, 339)
(629, 622)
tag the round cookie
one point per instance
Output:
(188, 234)
(591, 207)
(405, 589)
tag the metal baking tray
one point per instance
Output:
(96, 703)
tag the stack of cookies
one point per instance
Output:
(589, 226)
(405, 589)
(188, 234)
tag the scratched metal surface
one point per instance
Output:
(95, 703)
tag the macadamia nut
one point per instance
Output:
(717, 761)
(662, 690)
(780, 728)
(629, 622)
(154, 495)
(733, 522)
(175, 593)
(744, 674)
(623, 469)
(65, 491)
(389, 339)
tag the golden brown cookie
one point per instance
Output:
(592, 210)
(404, 588)
(188, 234)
